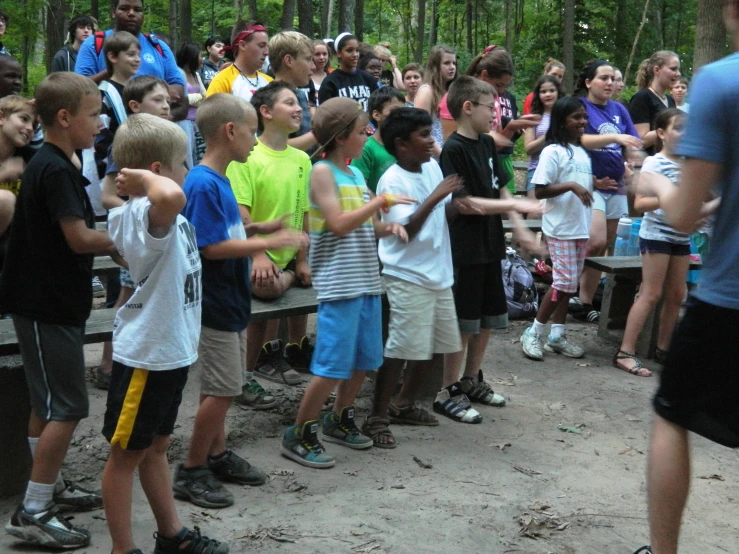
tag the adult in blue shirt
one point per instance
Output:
(156, 57)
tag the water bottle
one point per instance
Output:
(622, 237)
(634, 237)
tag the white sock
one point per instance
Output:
(558, 331)
(38, 497)
(248, 377)
(538, 328)
(32, 444)
(59, 486)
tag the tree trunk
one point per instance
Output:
(620, 35)
(421, 31)
(636, 41)
(185, 21)
(288, 15)
(508, 26)
(305, 17)
(95, 9)
(253, 11)
(568, 43)
(468, 16)
(327, 12)
(359, 20)
(710, 34)
(173, 22)
(346, 15)
(55, 29)
(434, 31)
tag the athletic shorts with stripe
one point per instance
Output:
(141, 405)
(54, 364)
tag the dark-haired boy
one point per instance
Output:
(213, 61)
(375, 157)
(79, 29)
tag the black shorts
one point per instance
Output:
(663, 247)
(700, 383)
(141, 405)
(479, 297)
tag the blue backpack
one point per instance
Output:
(520, 291)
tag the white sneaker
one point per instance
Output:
(47, 529)
(531, 344)
(562, 346)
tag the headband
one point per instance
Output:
(243, 35)
(337, 42)
(489, 49)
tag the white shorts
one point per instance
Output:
(423, 322)
(613, 205)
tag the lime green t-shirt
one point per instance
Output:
(272, 183)
(374, 162)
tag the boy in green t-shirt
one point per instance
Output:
(273, 182)
(375, 159)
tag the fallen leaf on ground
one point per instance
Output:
(632, 418)
(584, 365)
(714, 477)
(421, 463)
(502, 446)
(526, 471)
(569, 429)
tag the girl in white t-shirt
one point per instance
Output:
(565, 179)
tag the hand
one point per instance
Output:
(117, 258)
(628, 141)
(131, 182)
(450, 184)
(606, 183)
(398, 230)
(524, 122)
(501, 141)
(263, 271)
(302, 273)
(12, 168)
(527, 206)
(582, 193)
(267, 227)
(468, 206)
(530, 242)
(394, 62)
(287, 238)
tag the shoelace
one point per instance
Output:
(256, 388)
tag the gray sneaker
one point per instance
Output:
(199, 486)
(76, 498)
(562, 346)
(254, 396)
(341, 429)
(47, 529)
(531, 344)
(235, 469)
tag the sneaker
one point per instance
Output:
(98, 290)
(574, 305)
(300, 443)
(341, 429)
(197, 543)
(200, 486)
(589, 316)
(235, 469)
(644, 550)
(254, 396)
(454, 404)
(47, 529)
(75, 497)
(299, 355)
(478, 390)
(102, 379)
(273, 366)
(562, 346)
(531, 344)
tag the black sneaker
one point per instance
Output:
(644, 550)
(197, 543)
(47, 529)
(273, 366)
(74, 497)
(454, 404)
(102, 379)
(200, 486)
(235, 469)
(299, 355)
(342, 429)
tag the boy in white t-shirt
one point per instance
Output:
(156, 332)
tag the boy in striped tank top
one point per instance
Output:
(343, 257)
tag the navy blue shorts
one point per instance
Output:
(663, 247)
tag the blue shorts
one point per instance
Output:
(348, 337)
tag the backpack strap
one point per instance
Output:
(99, 41)
(115, 100)
(154, 41)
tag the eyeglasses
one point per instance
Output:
(491, 107)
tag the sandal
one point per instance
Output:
(638, 369)
(376, 427)
(411, 415)
(660, 356)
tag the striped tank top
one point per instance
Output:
(344, 267)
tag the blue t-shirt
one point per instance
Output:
(211, 208)
(152, 62)
(712, 134)
(613, 118)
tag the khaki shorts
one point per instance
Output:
(423, 322)
(221, 361)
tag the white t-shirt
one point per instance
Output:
(654, 225)
(426, 259)
(159, 327)
(565, 216)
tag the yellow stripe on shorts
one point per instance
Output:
(130, 408)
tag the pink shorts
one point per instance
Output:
(568, 259)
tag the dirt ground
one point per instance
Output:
(515, 483)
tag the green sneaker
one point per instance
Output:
(342, 430)
(300, 443)
(254, 396)
(562, 346)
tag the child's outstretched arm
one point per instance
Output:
(645, 199)
(552, 191)
(240, 248)
(167, 197)
(523, 236)
(449, 185)
(490, 206)
(83, 240)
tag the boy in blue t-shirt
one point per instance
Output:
(228, 125)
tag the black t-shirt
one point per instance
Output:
(644, 108)
(357, 86)
(43, 279)
(476, 239)
(508, 112)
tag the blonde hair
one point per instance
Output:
(15, 103)
(144, 139)
(62, 90)
(432, 76)
(645, 73)
(287, 43)
(219, 109)
(551, 62)
(382, 51)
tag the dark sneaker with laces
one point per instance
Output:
(454, 404)
(300, 443)
(235, 469)
(102, 379)
(299, 355)
(254, 396)
(644, 550)
(199, 486)
(273, 366)
(74, 497)
(478, 390)
(341, 429)
(47, 529)
(196, 543)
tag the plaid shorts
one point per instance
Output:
(568, 259)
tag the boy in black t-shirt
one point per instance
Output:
(477, 242)
(49, 294)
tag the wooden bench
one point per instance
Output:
(533, 225)
(623, 276)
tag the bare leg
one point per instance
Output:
(157, 484)
(36, 426)
(208, 427)
(7, 209)
(559, 316)
(117, 489)
(673, 298)
(668, 481)
(347, 391)
(297, 327)
(315, 395)
(476, 348)
(387, 378)
(453, 362)
(415, 373)
(52, 447)
(256, 333)
(596, 247)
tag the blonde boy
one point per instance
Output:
(17, 115)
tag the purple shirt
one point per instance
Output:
(613, 118)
